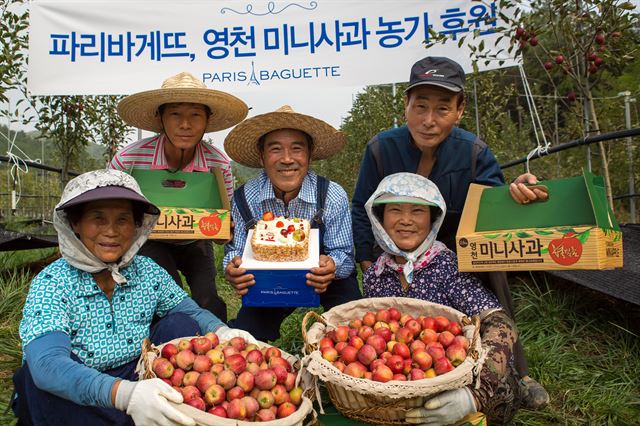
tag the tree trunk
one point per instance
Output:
(603, 153)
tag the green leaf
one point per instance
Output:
(181, 211)
(583, 236)
(566, 230)
(197, 211)
(523, 234)
(543, 232)
(491, 236)
(544, 250)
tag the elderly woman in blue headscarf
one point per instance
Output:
(87, 314)
(406, 212)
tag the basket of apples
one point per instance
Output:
(381, 357)
(230, 383)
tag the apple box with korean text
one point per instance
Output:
(193, 206)
(573, 229)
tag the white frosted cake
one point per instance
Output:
(280, 239)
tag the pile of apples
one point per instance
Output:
(387, 345)
(235, 379)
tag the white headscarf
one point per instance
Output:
(415, 186)
(72, 249)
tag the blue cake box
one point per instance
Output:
(281, 284)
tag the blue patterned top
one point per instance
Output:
(439, 282)
(338, 239)
(104, 334)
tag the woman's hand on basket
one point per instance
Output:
(225, 333)
(444, 409)
(238, 276)
(147, 402)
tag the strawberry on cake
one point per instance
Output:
(280, 239)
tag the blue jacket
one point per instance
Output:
(452, 174)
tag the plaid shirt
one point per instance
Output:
(338, 239)
(149, 154)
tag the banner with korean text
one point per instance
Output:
(86, 47)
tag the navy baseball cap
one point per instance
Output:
(437, 71)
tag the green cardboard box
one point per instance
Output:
(193, 206)
(573, 229)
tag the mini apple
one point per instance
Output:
(356, 342)
(295, 395)
(366, 354)
(446, 338)
(277, 360)
(462, 341)
(246, 381)
(255, 356)
(251, 405)
(454, 328)
(414, 327)
(342, 333)
(201, 345)
(202, 363)
(168, 350)
(281, 374)
(235, 392)
(428, 323)
(350, 354)
(404, 335)
(226, 379)
(205, 381)
(330, 354)
(376, 363)
(417, 344)
(280, 394)
(216, 356)
(176, 377)
(214, 395)
(443, 365)
(369, 319)
(218, 411)
(382, 374)
(265, 399)
(285, 410)
(365, 332)
(404, 319)
(190, 378)
(184, 345)
(213, 338)
(395, 363)
(377, 342)
(265, 379)
(235, 363)
(355, 323)
(456, 354)
(340, 346)
(402, 350)
(394, 314)
(198, 403)
(265, 415)
(236, 409)
(384, 332)
(189, 393)
(422, 359)
(441, 323)
(272, 352)
(382, 316)
(416, 374)
(162, 368)
(185, 358)
(355, 369)
(435, 350)
(325, 342)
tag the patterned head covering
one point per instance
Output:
(72, 249)
(406, 187)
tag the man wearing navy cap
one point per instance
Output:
(431, 144)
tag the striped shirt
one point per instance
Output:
(338, 239)
(149, 154)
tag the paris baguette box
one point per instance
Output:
(281, 284)
(193, 206)
(573, 229)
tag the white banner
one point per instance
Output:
(90, 47)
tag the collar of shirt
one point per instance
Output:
(307, 191)
(87, 286)
(198, 163)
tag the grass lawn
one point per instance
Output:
(582, 346)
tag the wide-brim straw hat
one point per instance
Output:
(241, 144)
(141, 109)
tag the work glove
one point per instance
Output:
(147, 402)
(225, 333)
(444, 409)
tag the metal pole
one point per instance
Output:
(393, 102)
(475, 105)
(632, 186)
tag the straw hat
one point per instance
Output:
(241, 144)
(141, 109)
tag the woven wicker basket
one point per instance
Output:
(384, 403)
(305, 414)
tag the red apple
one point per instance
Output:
(169, 350)
(189, 393)
(265, 415)
(184, 345)
(295, 395)
(255, 356)
(428, 323)
(216, 356)
(190, 378)
(417, 344)
(384, 332)
(201, 345)
(356, 342)
(235, 363)
(369, 319)
(285, 410)
(251, 405)
(349, 354)
(355, 323)
(402, 350)
(176, 377)
(456, 354)
(462, 341)
(382, 316)
(272, 352)
(382, 374)
(235, 392)
(202, 363)
(236, 409)
(265, 399)
(416, 374)
(213, 338)
(395, 363)
(422, 359)
(185, 358)
(214, 395)
(246, 381)
(355, 369)
(377, 342)
(325, 342)
(442, 366)
(367, 354)
(277, 360)
(198, 403)
(454, 328)
(330, 354)
(394, 314)
(404, 335)
(281, 374)
(162, 368)
(404, 319)
(414, 327)
(365, 332)
(446, 338)
(342, 333)
(435, 350)
(205, 381)
(441, 323)
(218, 411)
(265, 379)
(226, 379)
(280, 394)
(400, 377)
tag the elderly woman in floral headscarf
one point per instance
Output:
(87, 314)
(406, 212)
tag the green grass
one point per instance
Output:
(580, 345)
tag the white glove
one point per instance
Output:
(146, 402)
(225, 333)
(444, 409)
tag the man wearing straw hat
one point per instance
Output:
(283, 143)
(181, 112)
